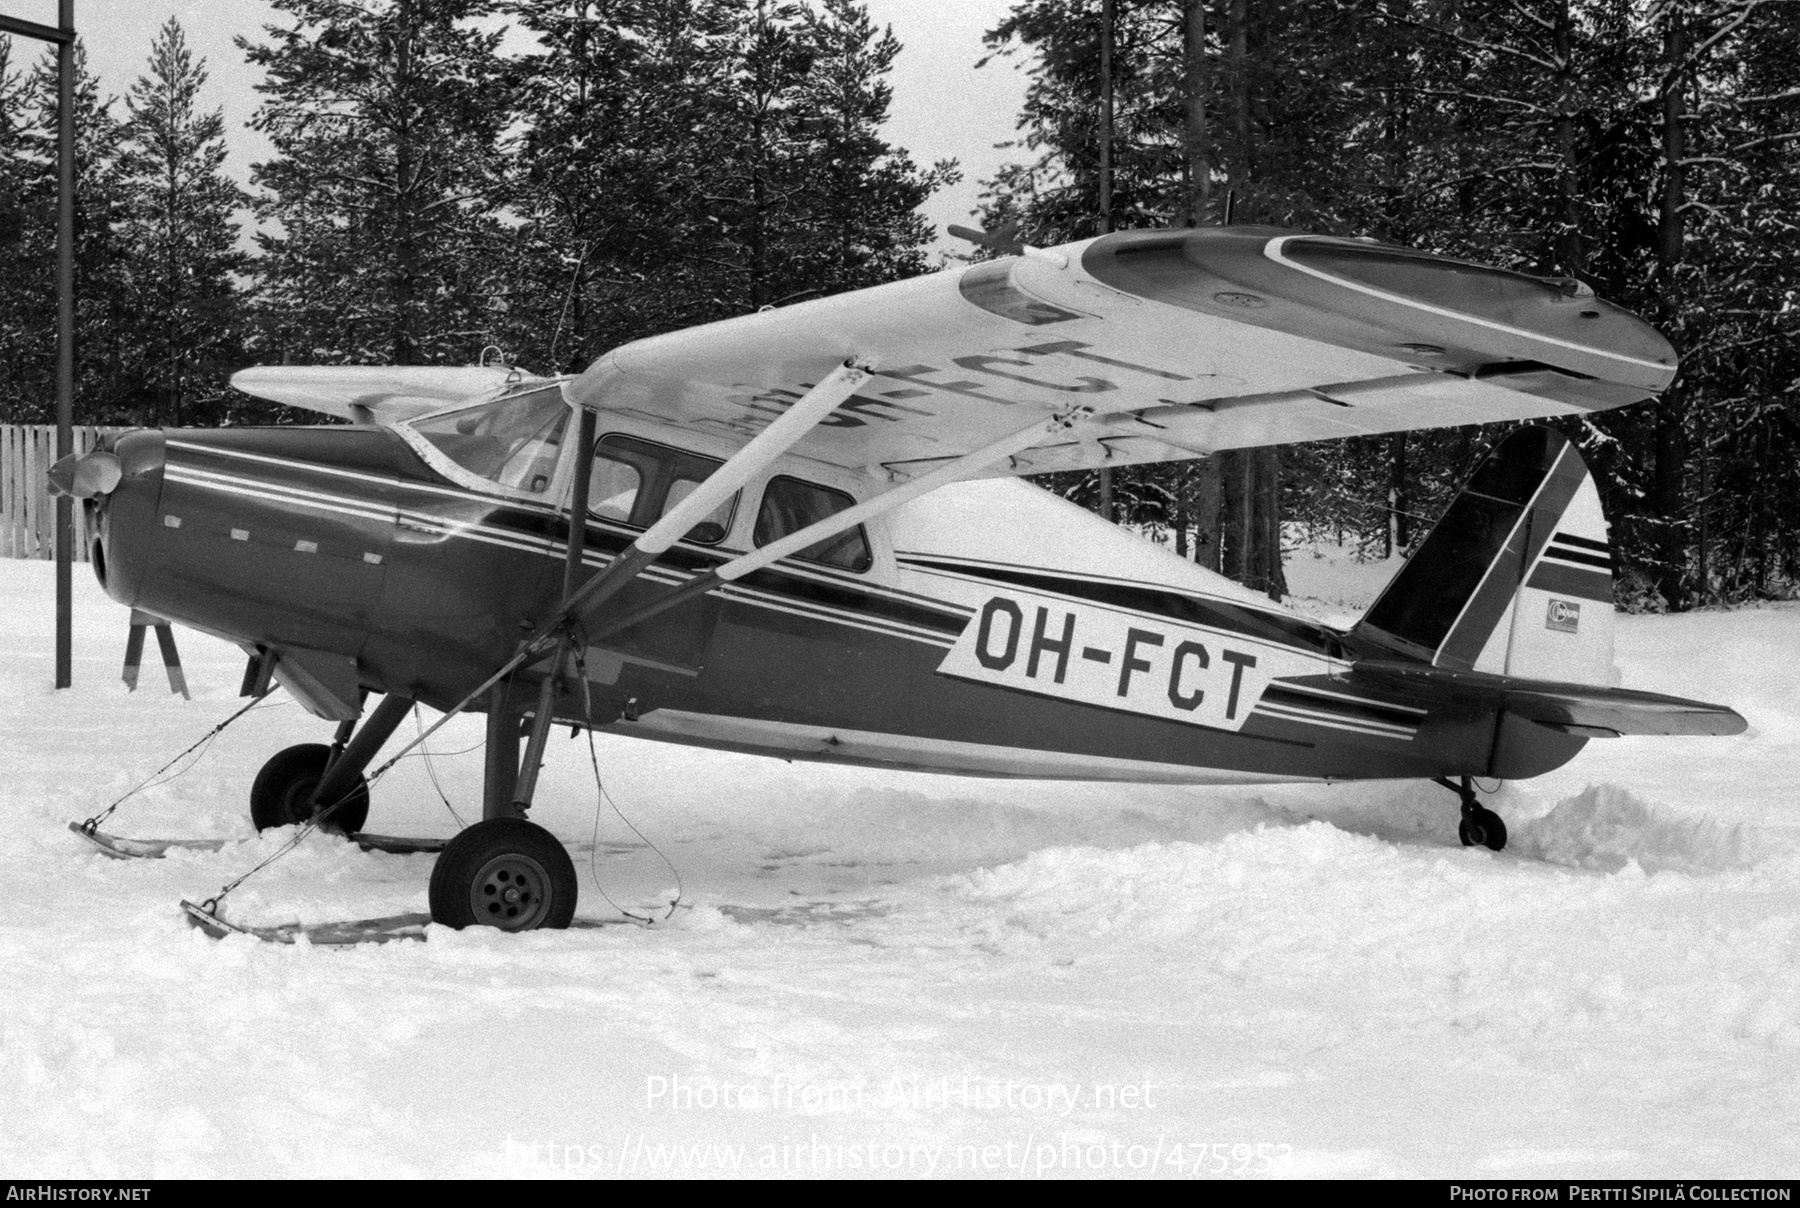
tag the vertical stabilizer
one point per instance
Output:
(1516, 578)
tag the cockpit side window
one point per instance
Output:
(635, 482)
(512, 441)
(790, 505)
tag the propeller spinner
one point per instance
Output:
(85, 475)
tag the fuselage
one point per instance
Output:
(988, 628)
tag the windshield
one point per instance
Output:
(513, 441)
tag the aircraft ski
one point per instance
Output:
(121, 848)
(386, 929)
(801, 533)
(346, 933)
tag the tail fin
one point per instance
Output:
(1516, 579)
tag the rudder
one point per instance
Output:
(1515, 579)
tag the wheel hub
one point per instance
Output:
(510, 892)
(297, 801)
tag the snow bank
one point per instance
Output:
(913, 975)
(1607, 827)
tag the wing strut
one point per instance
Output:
(838, 522)
(749, 461)
(768, 445)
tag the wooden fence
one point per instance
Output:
(27, 511)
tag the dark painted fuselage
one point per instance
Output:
(999, 631)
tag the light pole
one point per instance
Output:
(63, 36)
(1108, 28)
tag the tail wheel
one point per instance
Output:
(506, 873)
(282, 793)
(1482, 827)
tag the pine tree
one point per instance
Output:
(1728, 260)
(605, 175)
(16, 269)
(1271, 73)
(181, 236)
(756, 146)
(105, 389)
(570, 180)
(1645, 147)
(683, 162)
(381, 239)
(863, 194)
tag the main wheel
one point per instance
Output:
(282, 794)
(1482, 827)
(506, 873)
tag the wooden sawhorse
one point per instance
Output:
(165, 641)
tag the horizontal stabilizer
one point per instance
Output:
(1579, 709)
(374, 394)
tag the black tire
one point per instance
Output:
(506, 873)
(282, 794)
(1482, 828)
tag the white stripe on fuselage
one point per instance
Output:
(1352, 699)
(1334, 721)
(313, 467)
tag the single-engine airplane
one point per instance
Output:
(799, 533)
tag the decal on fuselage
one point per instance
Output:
(1564, 616)
(1117, 660)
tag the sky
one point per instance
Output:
(944, 108)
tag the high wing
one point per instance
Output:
(374, 394)
(1178, 343)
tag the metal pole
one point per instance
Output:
(1108, 22)
(65, 333)
(64, 38)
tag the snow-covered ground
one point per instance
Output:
(913, 974)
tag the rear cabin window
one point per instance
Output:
(789, 505)
(512, 441)
(635, 482)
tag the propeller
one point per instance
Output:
(85, 475)
(1005, 240)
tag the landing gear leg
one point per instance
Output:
(502, 770)
(504, 871)
(346, 767)
(340, 740)
(296, 783)
(541, 722)
(286, 787)
(1480, 826)
(508, 785)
